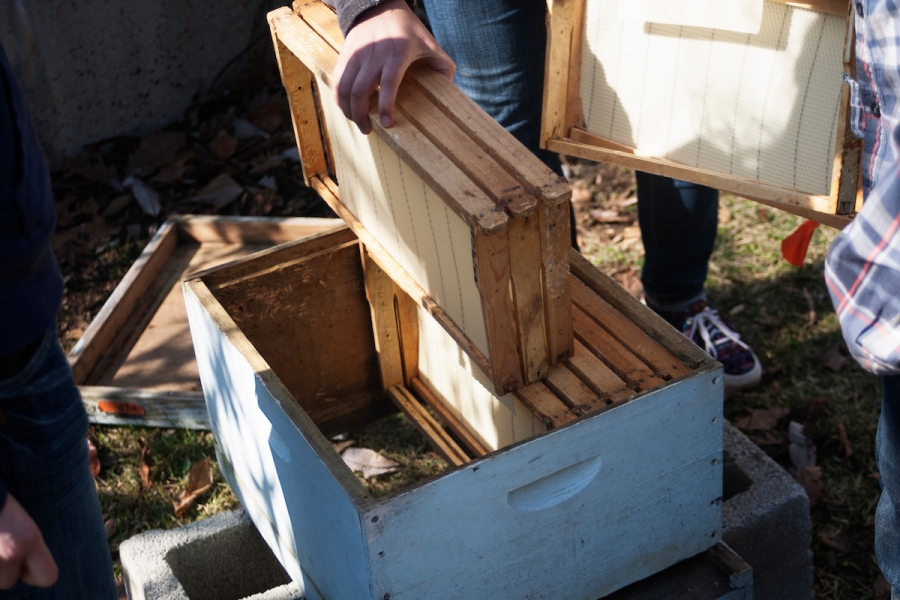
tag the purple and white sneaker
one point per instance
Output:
(709, 330)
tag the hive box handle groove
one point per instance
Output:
(556, 488)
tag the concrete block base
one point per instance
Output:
(765, 520)
(220, 558)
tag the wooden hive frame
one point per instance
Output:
(288, 357)
(563, 127)
(514, 208)
(134, 364)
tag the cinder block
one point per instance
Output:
(766, 520)
(220, 558)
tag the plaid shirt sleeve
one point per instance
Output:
(862, 268)
(862, 271)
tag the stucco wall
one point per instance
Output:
(92, 69)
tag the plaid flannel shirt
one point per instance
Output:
(862, 269)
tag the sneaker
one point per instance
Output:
(706, 328)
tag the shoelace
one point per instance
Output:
(708, 320)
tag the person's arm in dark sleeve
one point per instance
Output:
(381, 40)
(27, 221)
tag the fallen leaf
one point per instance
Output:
(769, 441)
(845, 441)
(761, 419)
(117, 205)
(110, 526)
(269, 117)
(809, 412)
(724, 214)
(146, 461)
(762, 214)
(263, 202)
(268, 164)
(244, 130)
(94, 457)
(223, 146)
(610, 216)
(630, 280)
(73, 334)
(810, 478)
(811, 314)
(841, 540)
(220, 191)
(833, 359)
(154, 151)
(801, 449)
(368, 462)
(174, 171)
(632, 233)
(581, 195)
(91, 167)
(146, 197)
(85, 234)
(64, 211)
(200, 479)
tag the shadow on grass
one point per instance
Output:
(789, 321)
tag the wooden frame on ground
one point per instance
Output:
(135, 363)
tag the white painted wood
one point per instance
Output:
(276, 461)
(452, 376)
(655, 500)
(410, 220)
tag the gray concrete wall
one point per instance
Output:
(93, 69)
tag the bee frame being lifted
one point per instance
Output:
(468, 222)
(595, 107)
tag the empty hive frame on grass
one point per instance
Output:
(605, 473)
(134, 364)
(764, 116)
(448, 203)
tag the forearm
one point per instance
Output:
(349, 11)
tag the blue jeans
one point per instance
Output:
(887, 455)
(44, 463)
(498, 47)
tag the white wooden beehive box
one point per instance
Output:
(605, 473)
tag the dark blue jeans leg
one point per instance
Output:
(498, 47)
(678, 224)
(44, 462)
(887, 455)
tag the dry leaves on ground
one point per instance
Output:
(146, 461)
(833, 359)
(200, 480)
(94, 457)
(810, 478)
(761, 419)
